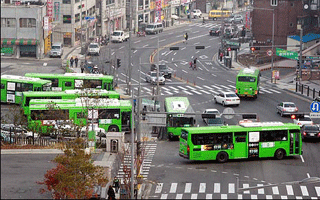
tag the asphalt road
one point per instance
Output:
(20, 172)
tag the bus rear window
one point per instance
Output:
(246, 79)
(184, 135)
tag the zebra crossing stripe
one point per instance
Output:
(185, 91)
(318, 191)
(284, 197)
(168, 92)
(314, 198)
(239, 196)
(159, 188)
(197, 86)
(181, 87)
(195, 91)
(173, 88)
(266, 91)
(216, 188)
(164, 196)
(274, 90)
(191, 88)
(275, 190)
(246, 185)
(164, 88)
(268, 196)
(173, 187)
(231, 188)
(254, 196)
(298, 197)
(289, 190)
(179, 196)
(224, 196)
(194, 196)
(202, 188)
(187, 189)
(260, 191)
(207, 87)
(214, 92)
(304, 190)
(208, 196)
(219, 88)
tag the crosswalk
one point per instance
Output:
(147, 152)
(229, 191)
(213, 89)
(209, 25)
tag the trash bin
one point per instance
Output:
(227, 61)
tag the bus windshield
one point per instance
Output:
(181, 121)
(246, 79)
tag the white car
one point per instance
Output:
(94, 48)
(196, 13)
(151, 77)
(227, 98)
(175, 16)
(303, 120)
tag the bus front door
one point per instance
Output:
(67, 85)
(125, 121)
(240, 145)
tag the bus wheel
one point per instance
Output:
(222, 157)
(113, 129)
(279, 154)
(170, 136)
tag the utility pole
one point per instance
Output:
(129, 64)
(81, 27)
(272, 44)
(299, 27)
(132, 151)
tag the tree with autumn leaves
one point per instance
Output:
(75, 176)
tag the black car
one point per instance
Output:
(215, 31)
(310, 131)
(167, 73)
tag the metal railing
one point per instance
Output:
(307, 90)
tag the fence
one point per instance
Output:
(36, 141)
(306, 90)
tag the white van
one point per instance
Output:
(154, 28)
(56, 50)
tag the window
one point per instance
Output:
(27, 23)
(184, 135)
(81, 115)
(2, 86)
(92, 83)
(66, 1)
(67, 19)
(275, 135)
(109, 2)
(109, 114)
(77, 17)
(274, 2)
(246, 79)
(83, 14)
(291, 24)
(8, 22)
(240, 136)
(50, 114)
(68, 84)
(211, 138)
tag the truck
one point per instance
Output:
(119, 36)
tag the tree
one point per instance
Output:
(75, 176)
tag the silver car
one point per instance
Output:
(286, 108)
(151, 77)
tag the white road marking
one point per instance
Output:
(164, 196)
(159, 188)
(260, 191)
(216, 188)
(289, 190)
(275, 190)
(231, 188)
(202, 188)
(245, 185)
(200, 78)
(187, 189)
(173, 187)
(208, 196)
(304, 190)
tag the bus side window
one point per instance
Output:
(2, 86)
(240, 136)
(37, 89)
(67, 84)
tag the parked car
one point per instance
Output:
(167, 73)
(215, 121)
(227, 98)
(286, 108)
(215, 31)
(310, 131)
(151, 77)
(302, 120)
(5, 137)
(230, 32)
(196, 13)
(234, 19)
(94, 49)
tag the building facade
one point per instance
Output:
(22, 32)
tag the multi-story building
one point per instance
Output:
(67, 18)
(287, 14)
(22, 31)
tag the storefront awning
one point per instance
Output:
(19, 41)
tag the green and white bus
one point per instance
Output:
(12, 87)
(68, 94)
(113, 115)
(70, 81)
(248, 140)
(176, 107)
(247, 83)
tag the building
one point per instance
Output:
(68, 15)
(22, 32)
(287, 15)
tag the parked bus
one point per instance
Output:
(68, 94)
(176, 107)
(247, 140)
(12, 87)
(217, 14)
(69, 81)
(113, 115)
(247, 83)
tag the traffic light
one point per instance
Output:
(293, 116)
(118, 62)
(229, 49)
(252, 49)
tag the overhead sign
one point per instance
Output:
(232, 43)
(287, 54)
(315, 107)
(314, 115)
(89, 18)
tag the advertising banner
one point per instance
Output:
(50, 9)
(56, 11)
(157, 17)
(46, 23)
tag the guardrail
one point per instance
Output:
(306, 90)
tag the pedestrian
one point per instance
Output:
(111, 194)
(116, 184)
(186, 37)
(76, 60)
(190, 63)
(195, 63)
(144, 110)
(71, 61)
(221, 55)
(203, 20)
(82, 67)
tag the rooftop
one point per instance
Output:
(306, 38)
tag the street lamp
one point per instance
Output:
(299, 27)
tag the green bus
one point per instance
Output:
(68, 94)
(70, 81)
(247, 140)
(247, 83)
(113, 115)
(12, 87)
(176, 119)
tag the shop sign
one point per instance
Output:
(56, 11)
(46, 23)
(6, 50)
(67, 35)
(50, 9)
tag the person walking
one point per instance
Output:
(71, 61)
(186, 37)
(116, 184)
(195, 63)
(76, 60)
(82, 67)
(111, 194)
